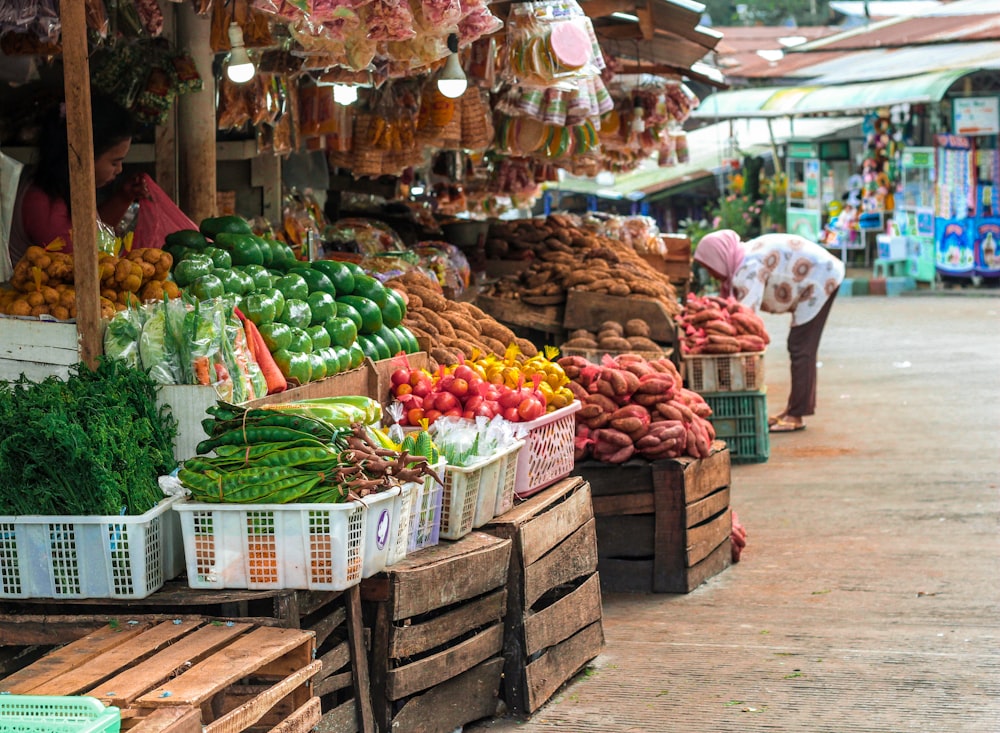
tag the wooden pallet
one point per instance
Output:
(553, 626)
(186, 675)
(662, 526)
(30, 628)
(437, 634)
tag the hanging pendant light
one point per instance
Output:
(451, 79)
(240, 68)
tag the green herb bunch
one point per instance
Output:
(93, 444)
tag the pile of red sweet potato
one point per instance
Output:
(633, 407)
(713, 325)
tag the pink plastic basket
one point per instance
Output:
(547, 455)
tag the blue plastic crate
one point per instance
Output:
(56, 714)
(740, 419)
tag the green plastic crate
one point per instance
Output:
(55, 714)
(740, 419)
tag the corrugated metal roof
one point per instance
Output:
(912, 31)
(884, 9)
(899, 62)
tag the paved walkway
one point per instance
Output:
(868, 598)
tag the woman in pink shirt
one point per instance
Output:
(44, 212)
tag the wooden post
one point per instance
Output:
(83, 196)
(196, 119)
(165, 144)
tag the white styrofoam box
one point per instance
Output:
(36, 348)
(892, 247)
(272, 546)
(90, 557)
(381, 513)
(188, 404)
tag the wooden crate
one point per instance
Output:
(662, 526)
(588, 310)
(436, 621)
(186, 676)
(30, 628)
(545, 318)
(37, 349)
(553, 625)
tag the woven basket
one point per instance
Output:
(477, 124)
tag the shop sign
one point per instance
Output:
(976, 115)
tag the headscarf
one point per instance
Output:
(722, 251)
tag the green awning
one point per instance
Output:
(842, 98)
(920, 89)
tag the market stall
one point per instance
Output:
(321, 412)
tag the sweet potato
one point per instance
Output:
(613, 437)
(636, 327)
(630, 420)
(670, 411)
(598, 421)
(605, 403)
(616, 379)
(653, 385)
(649, 401)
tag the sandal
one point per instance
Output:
(785, 426)
(775, 419)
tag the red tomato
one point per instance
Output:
(464, 371)
(531, 409)
(458, 387)
(446, 401)
(510, 414)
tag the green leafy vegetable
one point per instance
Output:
(91, 445)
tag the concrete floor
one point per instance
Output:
(868, 598)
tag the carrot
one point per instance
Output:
(273, 377)
(201, 370)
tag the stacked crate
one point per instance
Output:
(437, 633)
(553, 621)
(662, 526)
(733, 386)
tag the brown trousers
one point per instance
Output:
(803, 347)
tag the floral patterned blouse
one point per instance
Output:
(786, 273)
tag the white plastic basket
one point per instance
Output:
(742, 372)
(547, 455)
(380, 513)
(487, 481)
(90, 557)
(425, 513)
(506, 477)
(400, 531)
(273, 546)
